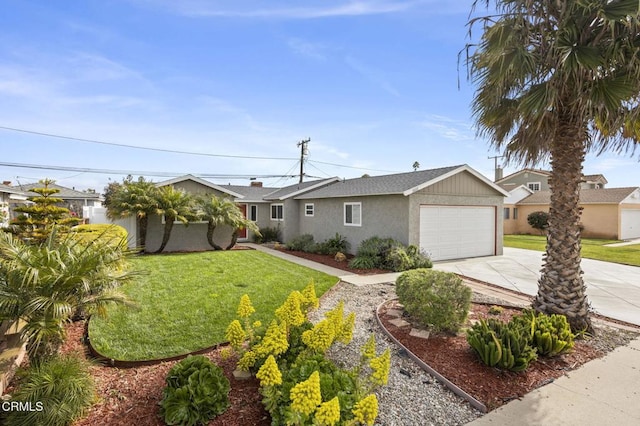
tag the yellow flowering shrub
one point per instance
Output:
(320, 337)
(247, 360)
(245, 308)
(269, 374)
(366, 410)
(290, 311)
(309, 299)
(344, 334)
(380, 368)
(306, 396)
(368, 350)
(328, 414)
(275, 340)
(235, 335)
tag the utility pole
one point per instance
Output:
(304, 151)
(497, 172)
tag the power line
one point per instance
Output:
(140, 173)
(122, 145)
(174, 151)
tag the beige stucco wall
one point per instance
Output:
(599, 220)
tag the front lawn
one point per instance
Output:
(186, 301)
(591, 248)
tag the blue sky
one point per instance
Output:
(374, 84)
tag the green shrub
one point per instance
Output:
(112, 235)
(59, 392)
(435, 298)
(363, 262)
(538, 220)
(196, 392)
(303, 242)
(337, 244)
(400, 258)
(502, 345)
(377, 248)
(268, 235)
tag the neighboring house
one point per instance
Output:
(612, 213)
(10, 198)
(538, 180)
(451, 212)
(606, 212)
(73, 200)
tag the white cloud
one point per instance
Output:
(448, 128)
(307, 48)
(373, 75)
(290, 9)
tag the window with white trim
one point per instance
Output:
(309, 209)
(353, 214)
(534, 186)
(253, 213)
(277, 212)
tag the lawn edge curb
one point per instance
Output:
(450, 385)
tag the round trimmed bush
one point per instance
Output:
(437, 299)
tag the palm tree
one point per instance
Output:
(174, 204)
(44, 285)
(223, 211)
(558, 79)
(134, 198)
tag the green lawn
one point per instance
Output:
(186, 301)
(591, 249)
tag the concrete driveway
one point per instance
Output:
(612, 289)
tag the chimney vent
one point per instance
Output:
(256, 184)
(499, 174)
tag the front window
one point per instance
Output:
(253, 213)
(515, 213)
(309, 209)
(277, 212)
(353, 214)
(506, 212)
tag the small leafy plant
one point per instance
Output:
(197, 391)
(59, 391)
(387, 253)
(435, 298)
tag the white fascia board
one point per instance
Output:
(452, 173)
(201, 182)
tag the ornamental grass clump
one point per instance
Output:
(299, 385)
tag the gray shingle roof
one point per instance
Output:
(250, 193)
(65, 193)
(587, 196)
(291, 190)
(378, 185)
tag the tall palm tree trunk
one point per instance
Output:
(234, 240)
(561, 289)
(211, 227)
(142, 226)
(168, 226)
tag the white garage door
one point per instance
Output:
(457, 232)
(629, 224)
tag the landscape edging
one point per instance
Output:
(450, 385)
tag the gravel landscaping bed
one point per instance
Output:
(412, 397)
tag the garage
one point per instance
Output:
(629, 224)
(457, 232)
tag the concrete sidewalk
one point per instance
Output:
(604, 391)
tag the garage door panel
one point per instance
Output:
(454, 232)
(629, 224)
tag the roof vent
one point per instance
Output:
(256, 184)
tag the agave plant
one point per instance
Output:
(44, 285)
